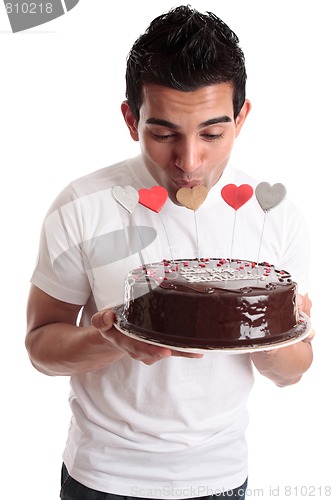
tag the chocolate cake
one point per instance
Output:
(210, 303)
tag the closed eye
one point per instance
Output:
(213, 137)
(163, 137)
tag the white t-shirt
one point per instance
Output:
(175, 429)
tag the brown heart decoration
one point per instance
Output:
(192, 198)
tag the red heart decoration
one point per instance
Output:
(153, 198)
(236, 196)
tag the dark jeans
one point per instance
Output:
(72, 490)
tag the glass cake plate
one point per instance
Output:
(298, 333)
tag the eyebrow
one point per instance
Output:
(173, 126)
(214, 121)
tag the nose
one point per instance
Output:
(188, 156)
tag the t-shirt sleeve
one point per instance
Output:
(61, 269)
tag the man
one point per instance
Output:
(150, 421)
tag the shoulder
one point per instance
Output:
(99, 181)
(105, 178)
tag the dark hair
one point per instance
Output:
(185, 50)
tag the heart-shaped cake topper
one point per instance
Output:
(127, 197)
(192, 198)
(153, 198)
(236, 196)
(269, 196)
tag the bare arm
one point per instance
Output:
(57, 346)
(285, 366)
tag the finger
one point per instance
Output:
(185, 354)
(300, 301)
(309, 338)
(150, 353)
(304, 303)
(147, 353)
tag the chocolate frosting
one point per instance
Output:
(210, 303)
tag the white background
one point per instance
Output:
(61, 87)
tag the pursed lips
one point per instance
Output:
(189, 184)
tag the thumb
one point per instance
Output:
(300, 301)
(304, 303)
(103, 320)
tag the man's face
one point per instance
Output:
(186, 138)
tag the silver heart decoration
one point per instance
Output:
(127, 197)
(269, 196)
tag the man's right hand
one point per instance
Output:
(145, 352)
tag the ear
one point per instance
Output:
(246, 108)
(130, 120)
